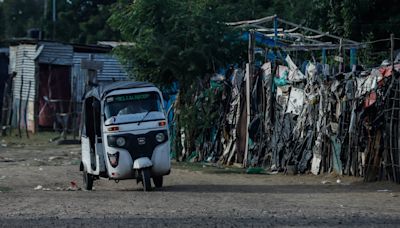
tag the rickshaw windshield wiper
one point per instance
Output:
(147, 113)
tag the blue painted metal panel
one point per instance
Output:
(353, 57)
(262, 39)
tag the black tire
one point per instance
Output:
(158, 181)
(146, 180)
(87, 181)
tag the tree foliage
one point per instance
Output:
(186, 40)
(84, 21)
(174, 40)
(178, 40)
(81, 21)
(17, 16)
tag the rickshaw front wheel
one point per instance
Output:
(146, 179)
(87, 181)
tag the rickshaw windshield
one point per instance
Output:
(132, 104)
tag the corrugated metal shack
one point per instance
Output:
(49, 81)
(111, 71)
(22, 65)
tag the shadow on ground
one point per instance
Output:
(201, 221)
(298, 189)
(281, 189)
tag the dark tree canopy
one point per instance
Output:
(85, 20)
(17, 16)
(173, 39)
(82, 21)
(76, 20)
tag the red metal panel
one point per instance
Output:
(54, 83)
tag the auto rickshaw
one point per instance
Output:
(124, 134)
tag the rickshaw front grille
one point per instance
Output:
(139, 146)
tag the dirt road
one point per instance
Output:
(191, 197)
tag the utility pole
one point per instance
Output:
(44, 19)
(45, 9)
(54, 18)
(340, 58)
(253, 9)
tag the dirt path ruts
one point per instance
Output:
(189, 198)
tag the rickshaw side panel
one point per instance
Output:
(125, 164)
(100, 157)
(86, 158)
(161, 160)
(85, 145)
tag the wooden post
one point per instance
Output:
(353, 58)
(275, 30)
(341, 61)
(392, 52)
(246, 152)
(249, 75)
(10, 92)
(324, 56)
(92, 67)
(73, 113)
(26, 110)
(20, 103)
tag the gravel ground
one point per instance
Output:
(191, 197)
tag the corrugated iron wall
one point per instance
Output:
(22, 61)
(55, 53)
(25, 69)
(112, 70)
(25, 60)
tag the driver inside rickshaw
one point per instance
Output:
(114, 107)
(131, 109)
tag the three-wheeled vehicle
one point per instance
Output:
(124, 134)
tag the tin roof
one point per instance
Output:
(101, 91)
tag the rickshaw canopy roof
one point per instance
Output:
(101, 91)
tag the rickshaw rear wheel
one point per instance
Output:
(158, 181)
(146, 179)
(87, 181)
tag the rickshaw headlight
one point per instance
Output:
(114, 159)
(160, 137)
(121, 141)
